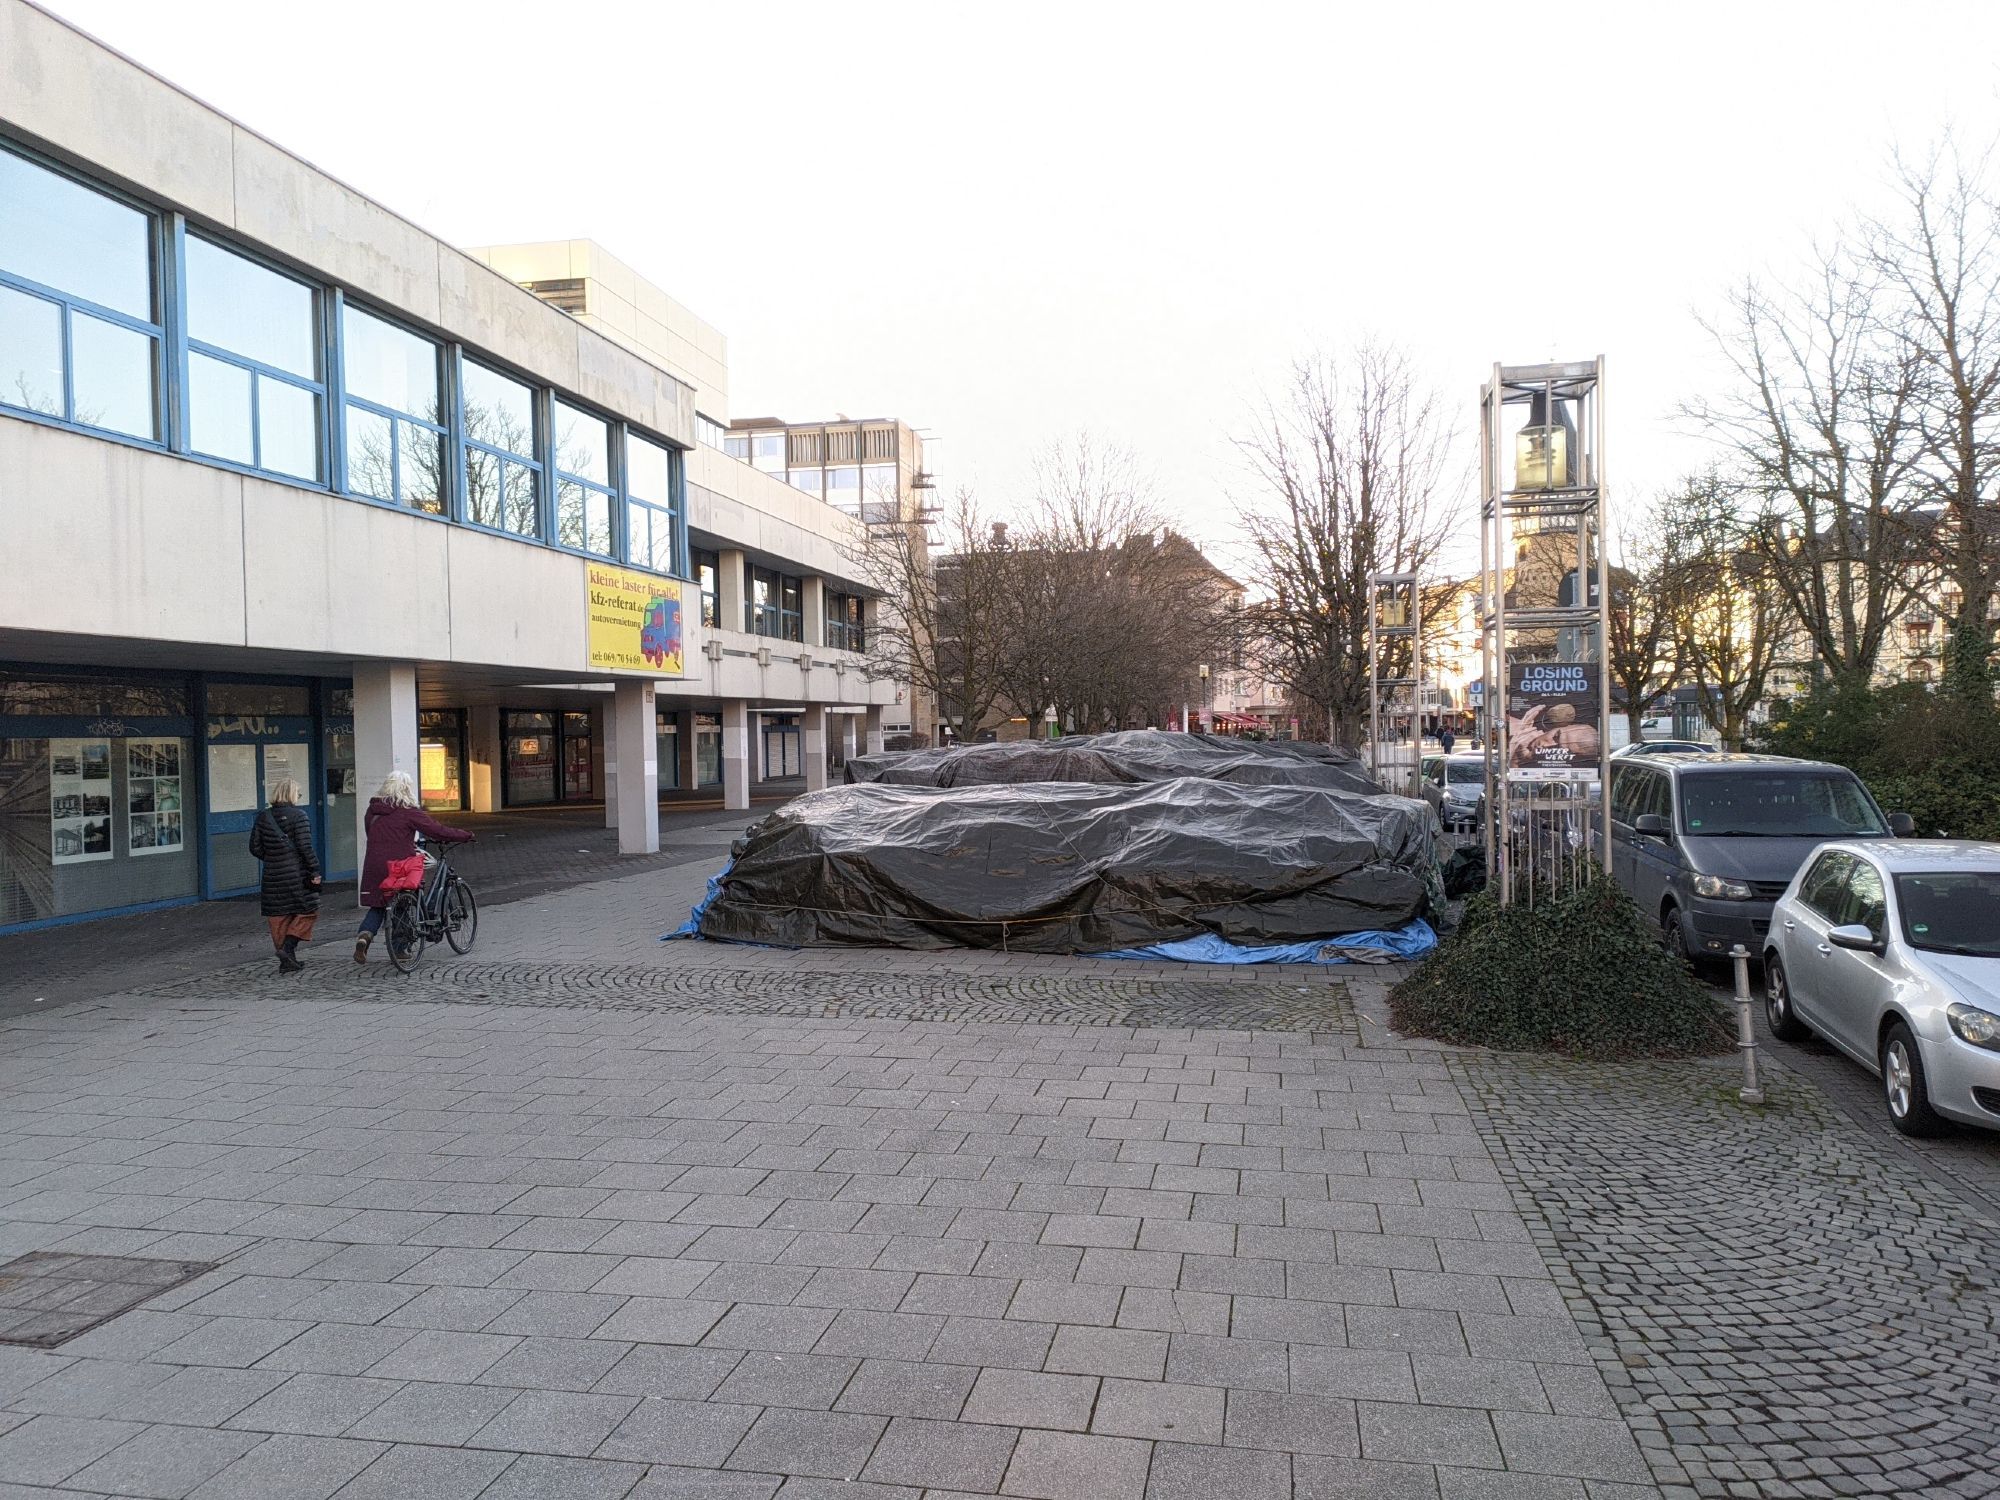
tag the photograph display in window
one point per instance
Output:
(153, 802)
(79, 801)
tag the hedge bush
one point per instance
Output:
(1581, 973)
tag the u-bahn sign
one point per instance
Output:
(634, 621)
(1553, 726)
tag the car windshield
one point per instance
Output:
(1465, 773)
(1777, 804)
(1956, 911)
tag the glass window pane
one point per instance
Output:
(287, 429)
(219, 410)
(66, 236)
(499, 410)
(30, 353)
(420, 467)
(370, 439)
(597, 514)
(238, 305)
(521, 517)
(809, 480)
(383, 364)
(647, 470)
(482, 487)
(112, 376)
(569, 513)
(583, 444)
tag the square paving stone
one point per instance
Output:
(1583, 1447)
(47, 1450)
(888, 1335)
(465, 1309)
(536, 1476)
(941, 1455)
(236, 1342)
(653, 1276)
(1377, 1374)
(963, 1296)
(318, 1405)
(907, 1388)
(90, 1388)
(1319, 1478)
(803, 1380)
(660, 1320)
(292, 1468)
(413, 1472)
(699, 1484)
(1181, 1472)
(1250, 1364)
(1154, 1409)
(670, 1370)
(201, 1397)
(562, 1422)
(694, 1433)
(1498, 1384)
(554, 1364)
(1132, 1353)
(1065, 1302)
(165, 1461)
(1074, 1466)
(425, 1413)
(337, 1349)
(574, 1315)
(993, 1341)
(439, 1355)
(1028, 1398)
(1292, 1423)
(825, 1445)
(789, 1330)
(1453, 1435)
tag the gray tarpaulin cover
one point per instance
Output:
(1137, 755)
(1074, 868)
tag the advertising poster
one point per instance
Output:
(79, 801)
(1552, 719)
(232, 778)
(633, 622)
(153, 801)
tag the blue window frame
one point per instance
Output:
(650, 541)
(584, 492)
(253, 392)
(503, 469)
(394, 411)
(80, 327)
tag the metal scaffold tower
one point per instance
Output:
(1395, 646)
(1544, 614)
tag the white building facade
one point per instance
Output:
(291, 489)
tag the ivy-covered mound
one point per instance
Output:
(1580, 973)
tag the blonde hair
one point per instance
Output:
(284, 792)
(398, 790)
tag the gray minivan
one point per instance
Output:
(1705, 843)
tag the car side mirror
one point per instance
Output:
(1902, 825)
(1650, 825)
(1856, 938)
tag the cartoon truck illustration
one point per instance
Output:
(660, 630)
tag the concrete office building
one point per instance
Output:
(292, 489)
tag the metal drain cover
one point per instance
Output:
(48, 1298)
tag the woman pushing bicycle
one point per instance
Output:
(393, 863)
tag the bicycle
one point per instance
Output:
(442, 909)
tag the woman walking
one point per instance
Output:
(289, 889)
(392, 863)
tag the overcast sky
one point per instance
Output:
(1005, 223)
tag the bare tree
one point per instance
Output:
(1642, 655)
(1356, 465)
(1728, 607)
(1823, 420)
(940, 620)
(1940, 252)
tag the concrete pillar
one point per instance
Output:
(813, 747)
(633, 787)
(385, 729)
(850, 733)
(483, 750)
(812, 612)
(601, 758)
(760, 769)
(874, 720)
(736, 755)
(690, 762)
(729, 591)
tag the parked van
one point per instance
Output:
(1706, 843)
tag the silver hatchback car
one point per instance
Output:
(1891, 951)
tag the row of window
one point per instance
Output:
(117, 319)
(773, 605)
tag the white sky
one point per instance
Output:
(1009, 223)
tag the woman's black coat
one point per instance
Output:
(282, 838)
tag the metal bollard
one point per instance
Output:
(1746, 1035)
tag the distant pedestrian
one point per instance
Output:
(288, 890)
(392, 863)
(1446, 738)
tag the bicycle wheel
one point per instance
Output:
(404, 929)
(461, 916)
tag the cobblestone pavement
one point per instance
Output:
(1784, 1308)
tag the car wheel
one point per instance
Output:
(1674, 937)
(1778, 1013)
(1904, 1087)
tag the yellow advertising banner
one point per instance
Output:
(634, 621)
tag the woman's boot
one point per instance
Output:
(361, 943)
(288, 957)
